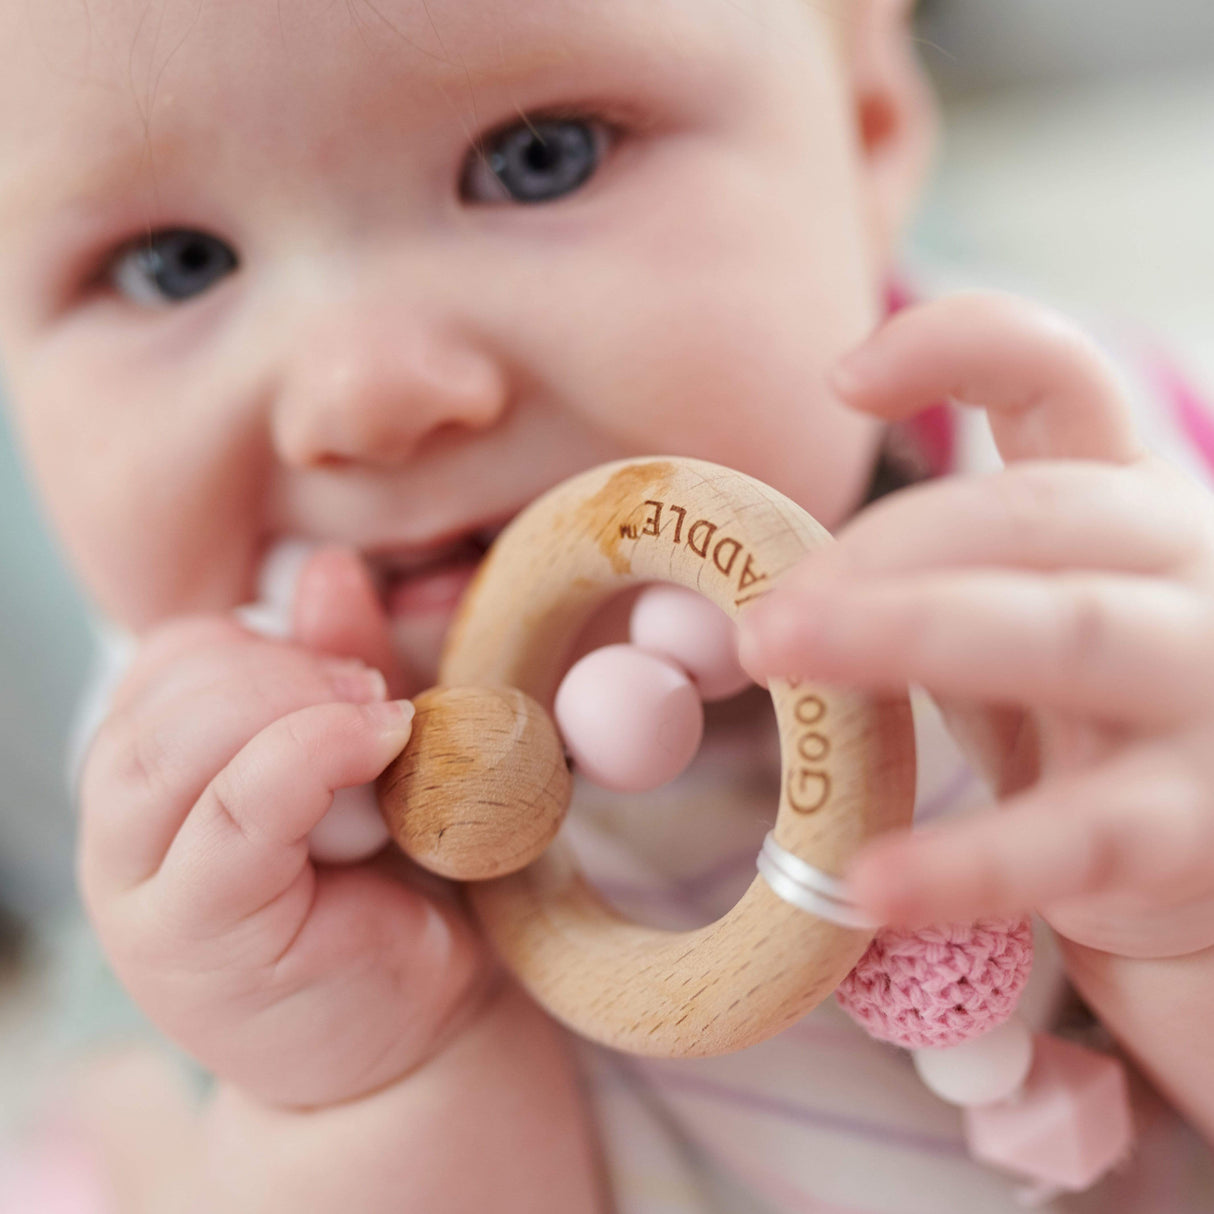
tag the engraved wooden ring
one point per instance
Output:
(847, 758)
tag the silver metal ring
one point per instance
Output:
(809, 889)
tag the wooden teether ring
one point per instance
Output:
(847, 758)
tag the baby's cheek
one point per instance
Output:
(156, 506)
(750, 401)
(83, 477)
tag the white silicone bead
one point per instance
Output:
(631, 720)
(693, 633)
(277, 579)
(280, 571)
(983, 1071)
(270, 622)
(353, 830)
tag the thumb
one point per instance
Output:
(337, 611)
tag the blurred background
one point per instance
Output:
(1078, 161)
(1077, 166)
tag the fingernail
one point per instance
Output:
(851, 375)
(884, 884)
(393, 719)
(776, 638)
(356, 682)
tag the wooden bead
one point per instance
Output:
(482, 787)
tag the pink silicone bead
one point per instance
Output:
(693, 633)
(1067, 1126)
(632, 721)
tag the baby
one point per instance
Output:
(374, 275)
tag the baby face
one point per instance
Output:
(380, 274)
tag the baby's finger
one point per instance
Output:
(1120, 649)
(1138, 824)
(245, 843)
(152, 666)
(1048, 515)
(1047, 388)
(337, 611)
(151, 761)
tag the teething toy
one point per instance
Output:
(848, 767)
(481, 789)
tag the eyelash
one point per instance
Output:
(617, 122)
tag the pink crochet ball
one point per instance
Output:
(939, 986)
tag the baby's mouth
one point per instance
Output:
(421, 588)
(420, 583)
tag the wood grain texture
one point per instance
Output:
(482, 788)
(848, 761)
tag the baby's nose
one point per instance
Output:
(372, 389)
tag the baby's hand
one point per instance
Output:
(1061, 611)
(303, 985)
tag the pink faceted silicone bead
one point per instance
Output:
(693, 633)
(1067, 1126)
(631, 720)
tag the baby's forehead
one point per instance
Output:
(143, 43)
(124, 81)
(134, 53)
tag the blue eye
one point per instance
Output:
(534, 162)
(171, 267)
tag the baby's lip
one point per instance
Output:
(408, 576)
(387, 560)
(435, 588)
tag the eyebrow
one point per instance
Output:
(40, 185)
(34, 180)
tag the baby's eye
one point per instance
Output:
(535, 161)
(171, 266)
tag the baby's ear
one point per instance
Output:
(895, 111)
